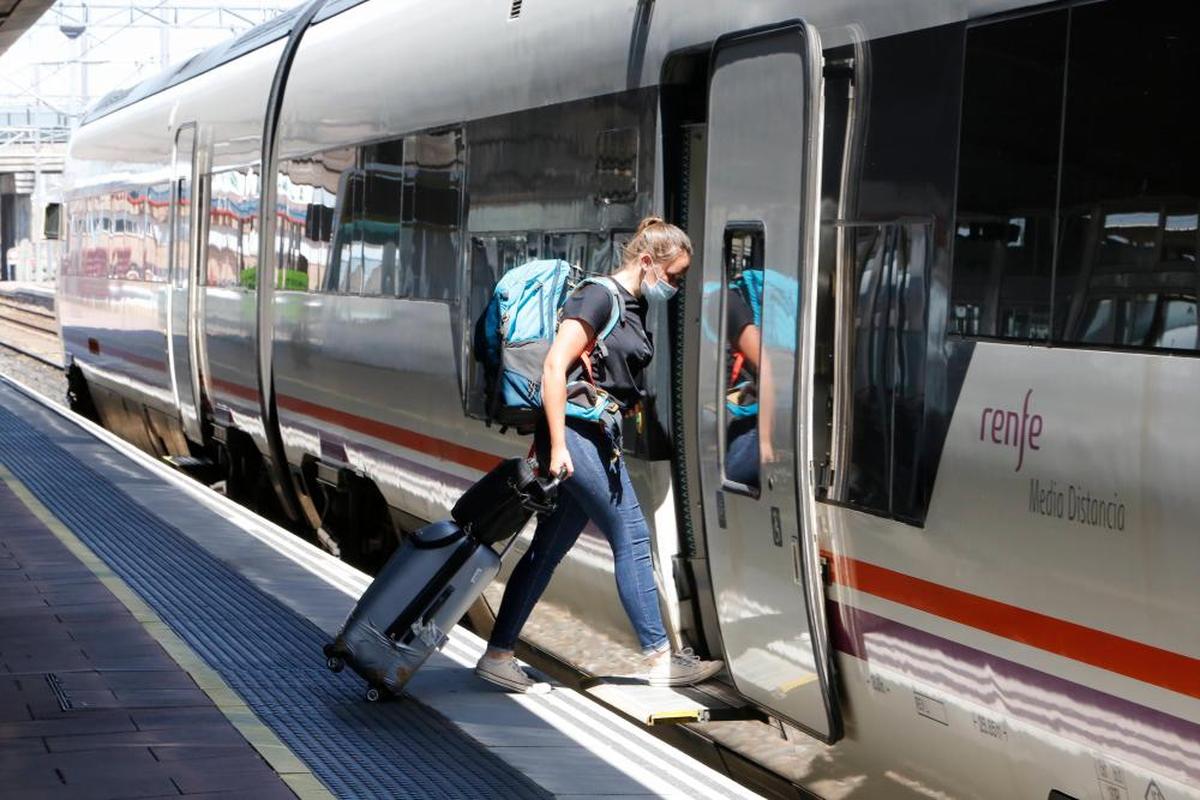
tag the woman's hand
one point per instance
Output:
(560, 461)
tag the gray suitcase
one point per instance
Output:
(407, 612)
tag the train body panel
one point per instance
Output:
(1008, 599)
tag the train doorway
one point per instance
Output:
(759, 253)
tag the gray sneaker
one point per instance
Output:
(683, 668)
(507, 673)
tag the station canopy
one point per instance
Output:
(18, 16)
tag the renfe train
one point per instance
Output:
(967, 565)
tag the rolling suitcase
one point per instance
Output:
(432, 579)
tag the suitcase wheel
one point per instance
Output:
(376, 695)
(335, 663)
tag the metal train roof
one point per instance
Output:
(258, 36)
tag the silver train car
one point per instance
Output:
(966, 564)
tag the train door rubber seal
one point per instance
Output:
(264, 347)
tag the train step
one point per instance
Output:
(202, 469)
(712, 701)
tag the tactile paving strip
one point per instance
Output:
(267, 653)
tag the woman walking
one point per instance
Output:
(598, 487)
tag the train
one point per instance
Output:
(966, 564)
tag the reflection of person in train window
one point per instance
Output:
(748, 400)
(598, 487)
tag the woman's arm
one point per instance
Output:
(749, 343)
(569, 343)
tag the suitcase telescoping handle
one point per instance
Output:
(549, 490)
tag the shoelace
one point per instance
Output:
(686, 657)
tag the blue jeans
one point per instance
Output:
(741, 453)
(599, 490)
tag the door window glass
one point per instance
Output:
(745, 379)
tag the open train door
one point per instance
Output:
(760, 257)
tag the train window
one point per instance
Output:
(156, 237)
(744, 384)
(233, 230)
(308, 190)
(431, 214)
(1077, 211)
(345, 257)
(617, 166)
(52, 222)
(885, 425)
(1126, 273)
(383, 183)
(1008, 168)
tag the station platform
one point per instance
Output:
(27, 293)
(157, 639)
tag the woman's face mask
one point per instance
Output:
(661, 290)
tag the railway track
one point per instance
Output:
(31, 332)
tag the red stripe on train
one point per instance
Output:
(1143, 662)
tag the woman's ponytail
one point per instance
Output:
(659, 239)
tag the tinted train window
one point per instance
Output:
(308, 191)
(1008, 169)
(382, 190)
(383, 220)
(431, 214)
(1130, 178)
(233, 230)
(1077, 211)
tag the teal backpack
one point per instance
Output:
(518, 328)
(782, 294)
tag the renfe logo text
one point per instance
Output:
(1012, 429)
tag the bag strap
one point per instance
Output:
(614, 318)
(739, 361)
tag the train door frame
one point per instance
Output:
(181, 283)
(748, 532)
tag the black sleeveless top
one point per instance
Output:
(630, 346)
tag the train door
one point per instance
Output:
(184, 376)
(759, 254)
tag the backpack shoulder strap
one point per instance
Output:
(614, 316)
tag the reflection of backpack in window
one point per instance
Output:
(518, 327)
(779, 293)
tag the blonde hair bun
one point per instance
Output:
(649, 222)
(659, 239)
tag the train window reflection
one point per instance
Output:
(233, 230)
(1078, 199)
(1126, 274)
(383, 164)
(1004, 243)
(431, 219)
(308, 190)
(745, 384)
(345, 262)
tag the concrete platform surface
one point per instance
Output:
(91, 705)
